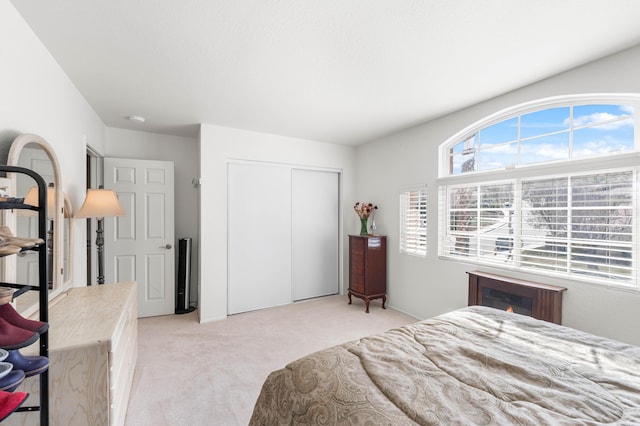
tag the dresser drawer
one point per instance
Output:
(356, 283)
(356, 264)
(122, 363)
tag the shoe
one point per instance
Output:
(31, 365)
(11, 381)
(9, 314)
(7, 249)
(9, 402)
(5, 368)
(13, 337)
(11, 200)
(7, 236)
(6, 295)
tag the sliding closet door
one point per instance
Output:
(259, 227)
(315, 233)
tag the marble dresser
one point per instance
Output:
(92, 357)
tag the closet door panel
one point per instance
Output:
(259, 236)
(315, 233)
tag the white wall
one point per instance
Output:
(184, 153)
(220, 144)
(426, 287)
(37, 97)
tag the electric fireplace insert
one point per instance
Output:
(541, 301)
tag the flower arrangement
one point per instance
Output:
(363, 210)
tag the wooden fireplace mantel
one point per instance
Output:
(547, 299)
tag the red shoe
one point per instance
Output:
(9, 314)
(12, 337)
(9, 402)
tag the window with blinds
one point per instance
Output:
(549, 186)
(580, 224)
(587, 224)
(413, 222)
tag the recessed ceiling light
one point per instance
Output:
(138, 118)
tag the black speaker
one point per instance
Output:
(183, 283)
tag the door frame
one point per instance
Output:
(94, 180)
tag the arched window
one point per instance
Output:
(549, 186)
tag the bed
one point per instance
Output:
(476, 365)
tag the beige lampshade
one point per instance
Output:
(32, 199)
(100, 203)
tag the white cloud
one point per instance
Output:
(600, 117)
(600, 147)
(627, 109)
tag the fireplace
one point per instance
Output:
(507, 301)
(541, 301)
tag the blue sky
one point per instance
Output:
(598, 129)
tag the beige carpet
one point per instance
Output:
(210, 374)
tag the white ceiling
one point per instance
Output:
(342, 71)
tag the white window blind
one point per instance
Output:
(578, 225)
(413, 221)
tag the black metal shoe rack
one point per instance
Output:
(42, 287)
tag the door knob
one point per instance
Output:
(168, 246)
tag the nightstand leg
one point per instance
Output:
(384, 300)
(349, 294)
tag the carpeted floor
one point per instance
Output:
(210, 374)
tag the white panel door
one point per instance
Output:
(315, 233)
(259, 236)
(140, 246)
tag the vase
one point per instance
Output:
(363, 226)
(373, 229)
